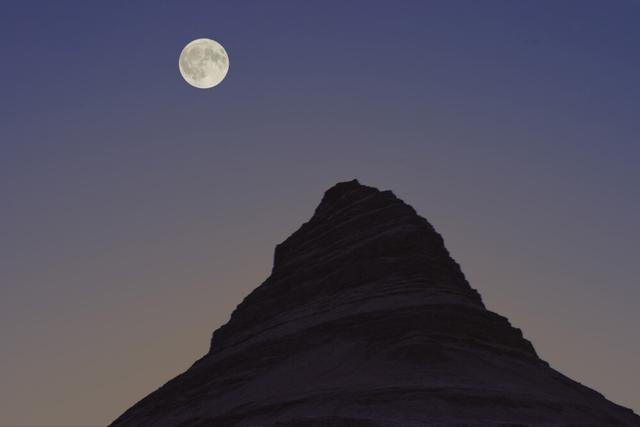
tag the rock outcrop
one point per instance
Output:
(366, 321)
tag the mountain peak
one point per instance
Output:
(344, 191)
(367, 321)
(349, 192)
(347, 210)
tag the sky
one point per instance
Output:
(136, 211)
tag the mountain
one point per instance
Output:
(366, 321)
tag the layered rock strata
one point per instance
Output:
(366, 321)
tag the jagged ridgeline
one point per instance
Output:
(366, 321)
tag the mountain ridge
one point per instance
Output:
(366, 320)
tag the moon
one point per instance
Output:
(203, 63)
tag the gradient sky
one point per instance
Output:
(136, 212)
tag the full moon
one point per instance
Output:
(203, 63)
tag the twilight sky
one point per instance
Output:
(136, 211)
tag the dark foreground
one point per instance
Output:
(366, 321)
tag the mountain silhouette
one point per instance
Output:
(366, 321)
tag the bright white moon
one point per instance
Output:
(203, 63)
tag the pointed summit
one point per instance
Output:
(356, 223)
(366, 321)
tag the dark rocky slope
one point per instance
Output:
(366, 321)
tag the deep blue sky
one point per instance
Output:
(136, 211)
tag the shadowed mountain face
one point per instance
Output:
(366, 321)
